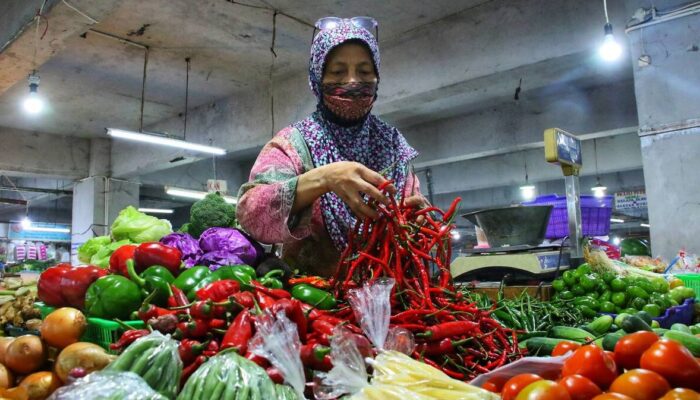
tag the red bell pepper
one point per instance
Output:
(76, 281)
(118, 259)
(49, 285)
(154, 253)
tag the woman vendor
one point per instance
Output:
(314, 178)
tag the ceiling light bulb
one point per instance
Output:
(610, 50)
(455, 235)
(599, 191)
(33, 104)
(616, 241)
(26, 223)
(528, 192)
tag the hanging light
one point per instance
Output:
(156, 210)
(616, 241)
(528, 192)
(194, 194)
(609, 50)
(33, 103)
(163, 141)
(617, 220)
(47, 229)
(599, 190)
(26, 223)
(455, 235)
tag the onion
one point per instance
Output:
(25, 354)
(4, 342)
(40, 385)
(87, 356)
(6, 378)
(63, 327)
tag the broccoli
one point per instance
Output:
(209, 212)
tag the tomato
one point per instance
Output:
(543, 390)
(681, 394)
(494, 384)
(629, 348)
(580, 387)
(640, 384)
(564, 347)
(612, 396)
(674, 362)
(517, 383)
(591, 362)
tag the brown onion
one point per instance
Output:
(63, 327)
(7, 379)
(40, 385)
(25, 354)
(87, 356)
(4, 342)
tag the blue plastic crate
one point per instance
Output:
(595, 215)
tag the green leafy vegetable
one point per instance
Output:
(139, 227)
(211, 211)
(92, 246)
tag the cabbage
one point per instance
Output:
(92, 246)
(188, 246)
(228, 246)
(139, 227)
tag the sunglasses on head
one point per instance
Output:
(367, 23)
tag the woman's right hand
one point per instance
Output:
(349, 180)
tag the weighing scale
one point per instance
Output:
(526, 262)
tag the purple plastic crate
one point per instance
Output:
(680, 314)
(595, 215)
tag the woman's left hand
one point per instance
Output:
(417, 201)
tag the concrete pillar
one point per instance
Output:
(666, 64)
(97, 201)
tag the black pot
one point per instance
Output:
(512, 226)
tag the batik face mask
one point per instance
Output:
(349, 101)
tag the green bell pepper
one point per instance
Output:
(192, 294)
(152, 284)
(112, 296)
(316, 297)
(160, 272)
(239, 273)
(271, 279)
(191, 277)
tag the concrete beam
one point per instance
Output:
(39, 154)
(18, 39)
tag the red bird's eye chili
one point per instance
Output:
(239, 333)
(127, 338)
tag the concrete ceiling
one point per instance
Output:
(95, 82)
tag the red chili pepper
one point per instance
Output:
(179, 298)
(212, 348)
(217, 323)
(323, 326)
(190, 349)
(315, 281)
(49, 285)
(197, 328)
(118, 259)
(127, 338)
(274, 293)
(316, 356)
(448, 330)
(444, 346)
(154, 253)
(292, 309)
(189, 370)
(275, 375)
(151, 311)
(450, 211)
(219, 290)
(239, 333)
(264, 301)
(245, 299)
(75, 283)
(261, 361)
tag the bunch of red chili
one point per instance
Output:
(413, 246)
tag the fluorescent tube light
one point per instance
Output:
(43, 229)
(156, 210)
(163, 141)
(194, 194)
(617, 220)
(644, 225)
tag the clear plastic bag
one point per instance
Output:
(349, 373)
(107, 385)
(155, 359)
(372, 307)
(228, 376)
(277, 340)
(544, 366)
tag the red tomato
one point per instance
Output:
(517, 383)
(591, 362)
(543, 390)
(640, 384)
(674, 362)
(580, 387)
(629, 348)
(681, 394)
(564, 347)
(491, 387)
(612, 396)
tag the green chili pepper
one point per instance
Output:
(313, 296)
(192, 294)
(151, 284)
(188, 279)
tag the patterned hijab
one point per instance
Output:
(373, 143)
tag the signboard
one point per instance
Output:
(16, 232)
(217, 185)
(630, 200)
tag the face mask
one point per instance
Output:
(349, 101)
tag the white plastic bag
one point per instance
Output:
(277, 339)
(349, 373)
(543, 366)
(372, 307)
(107, 385)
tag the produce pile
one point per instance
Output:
(17, 309)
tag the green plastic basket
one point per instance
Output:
(691, 281)
(102, 332)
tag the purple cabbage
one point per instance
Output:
(189, 246)
(228, 246)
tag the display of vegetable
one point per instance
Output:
(210, 212)
(228, 246)
(112, 296)
(63, 285)
(188, 246)
(138, 227)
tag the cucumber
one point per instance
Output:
(528, 335)
(659, 331)
(645, 316)
(611, 339)
(542, 346)
(570, 333)
(600, 325)
(695, 329)
(691, 342)
(620, 317)
(633, 323)
(681, 328)
(598, 342)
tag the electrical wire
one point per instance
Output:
(89, 18)
(664, 16)
(187, 92)
(605, 7)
